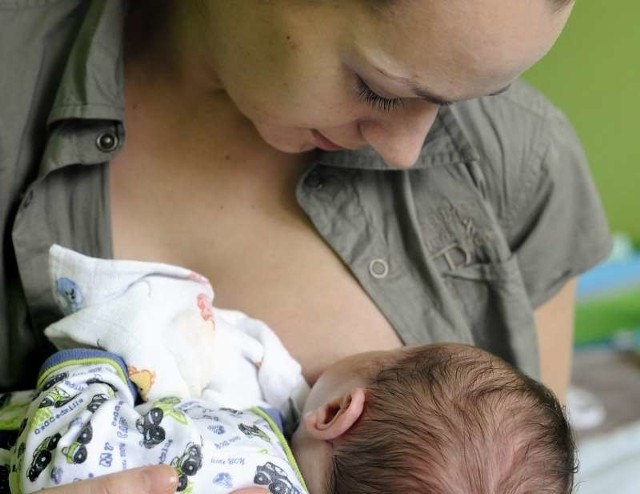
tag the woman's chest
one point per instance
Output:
(243, 229)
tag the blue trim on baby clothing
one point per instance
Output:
(86, 357)
(275, 415)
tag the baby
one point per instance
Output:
(167, 378)
(443, 418)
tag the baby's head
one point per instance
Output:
(443, 418)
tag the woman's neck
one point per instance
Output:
(162, 41)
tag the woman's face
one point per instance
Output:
(340, 73)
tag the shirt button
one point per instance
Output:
(107, 142)
(313, 180)
(378, 268)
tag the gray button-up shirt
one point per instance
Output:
(496, 215)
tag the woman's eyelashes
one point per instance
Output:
(373, 99)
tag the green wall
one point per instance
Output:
(593, 74)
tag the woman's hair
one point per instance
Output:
(455, 419)
(559, 5)
(387, 5)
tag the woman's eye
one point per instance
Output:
(373, 99)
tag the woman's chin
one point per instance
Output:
(292, 141)
(293, 148)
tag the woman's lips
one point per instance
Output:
(323, 143)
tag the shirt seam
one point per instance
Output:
(603, 249)
(62, 112)
(524, 193)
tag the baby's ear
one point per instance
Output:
(331, 420)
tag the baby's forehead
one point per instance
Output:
(465, 364)
(452, 349)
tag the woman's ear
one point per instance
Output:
(331, 420)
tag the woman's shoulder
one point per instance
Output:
(533, 173)
(526, 151)
(515, 126)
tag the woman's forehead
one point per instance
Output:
(489, 42)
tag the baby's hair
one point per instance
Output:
(454, 419)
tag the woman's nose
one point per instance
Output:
(398, 136)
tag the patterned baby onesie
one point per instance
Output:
(82, 422)
(150, 372)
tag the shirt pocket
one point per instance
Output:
(496, 306)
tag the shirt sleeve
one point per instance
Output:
(538, 182)
(558, 227)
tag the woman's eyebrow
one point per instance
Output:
(432, 98)
(420, 92)
(423, 93)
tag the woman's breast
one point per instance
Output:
(262, 256)
(285, 275)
